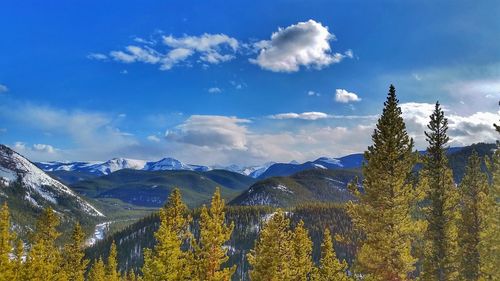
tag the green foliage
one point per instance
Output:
(74, 263)
(167, 260)
(474, 196)
(7, 238)
(44, 260)
(270, 259)
(112, 272)
(489, 246)
(97, 271)
(214, 234)
(330, 268)
(301, 262)
(384, 210)
(441, 211)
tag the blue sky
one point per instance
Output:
(239, 81)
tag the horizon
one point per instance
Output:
(151, 80)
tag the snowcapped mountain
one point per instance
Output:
(22, 181)
(94, 168)
(266, 170)
(167, 164)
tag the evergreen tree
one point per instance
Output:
(301, 262)
(43, 261)
(97, 271)
(383, 212)
(489, 246)
(271, 256)
(474, 193)
(7, 265)
(112, 272)
(441, 234)
(74, 262)
(167, 261)
(18, 260)
(330, 268)
(214, 233)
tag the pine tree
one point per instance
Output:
(474, 192)
(442, 213)
(271, 256)
(97, 271)
(74, 262)
(7, 265)
(330, 268)
(383, 212)
(112, 272)
(489, 246)
(18, 261)
(301, 262)
(167, 261)
(214, 233)
(43, 261)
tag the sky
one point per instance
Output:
(240, 82)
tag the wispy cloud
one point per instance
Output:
(303, 116)
(214, 90)
(3, 89)
(170, 51)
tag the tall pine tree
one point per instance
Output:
(112, 271)
(7, 238)
(168, 261)
(441, 213)
(330, 268)
(43, 261)
(270, 259)
(474, 192)
(74, 262)
(214, 233)
(383, 212)
(97, 272)
(489, 246)
(301, 262)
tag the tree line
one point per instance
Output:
(411, 224)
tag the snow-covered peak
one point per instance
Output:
(116, 164)
(167, 164)
(331, 161)
(14, 167)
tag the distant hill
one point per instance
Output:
(352, 161)
(151, 188)
(458, 159)
(317, 185)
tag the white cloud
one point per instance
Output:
(303, 116)
(44, 148)
(210, 48)
(212, 131)
(36, 151)
(137, 54)
(214, 90)
(153, 138)
(344, 96)
(97, 56)
(313, 93)
(3, 89)
(303, 44)
(92, 135)
(463, 129)
(205, 43)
